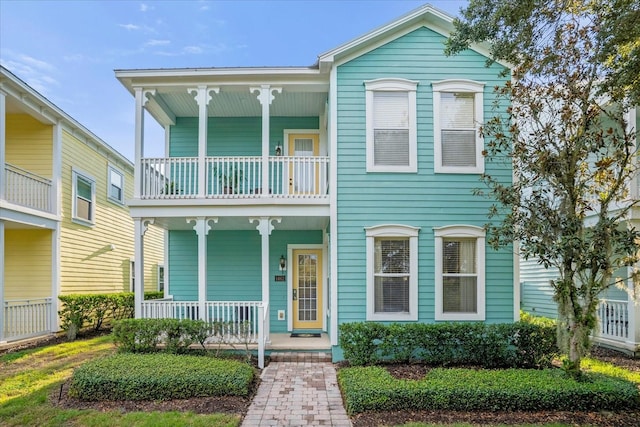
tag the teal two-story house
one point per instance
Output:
(300, 198)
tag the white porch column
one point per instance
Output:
(202, 95)
(265, 96)
(265, 228)
(2, 252)
(55, 278)
(201, 227)
(633, 307)
(140, 227)
(3, 144)
(141, 95)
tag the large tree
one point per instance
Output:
(575, 68)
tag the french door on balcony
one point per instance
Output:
(304, 174)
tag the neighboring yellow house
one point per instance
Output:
(64, 224)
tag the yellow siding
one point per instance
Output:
(153, 255)
(29, 144)
(88, 265)
(27, 263)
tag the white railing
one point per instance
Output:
(169, 178)
(230, 321)
(24, 318)
(235, 177)
(295, 177)
(613, 319)
(27, 189)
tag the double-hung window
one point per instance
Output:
(115, 191)
(84, 198)
(460, 288)
(391, 130)
(392, 272)
(457, 116)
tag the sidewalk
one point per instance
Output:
(298, 389)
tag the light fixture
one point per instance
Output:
(283, 263)
(278, 149)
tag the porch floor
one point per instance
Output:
(285, 342)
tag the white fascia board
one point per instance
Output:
(140, 210)
(45, 109)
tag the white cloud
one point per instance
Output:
(193, 49)
(36, 63)
(144, 7)
(155, 42)
(129, 27)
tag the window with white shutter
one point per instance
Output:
(391, 125)
(392, 272)
(458, 113)
(460, 270)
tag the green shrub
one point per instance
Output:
(84, 310)
(374, 389)
(517, 344)
(159, 377)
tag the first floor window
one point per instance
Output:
(392, 277)
(460, 273)
(83, 197)
(132, 276)
(161, 278)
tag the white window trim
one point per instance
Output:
(132, 273)
(111, 168)
(393, 230)
(392, 85)
(75, 173)
(458, 85)
(464, 231)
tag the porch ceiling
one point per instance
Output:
(242, 223)
(239, 102)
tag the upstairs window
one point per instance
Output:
(84, 189)
(116, 185)
(457, 116)
(391, 125)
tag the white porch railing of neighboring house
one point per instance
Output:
(27, 189)
(25, 318)
(613, 319)
(235, 177)
(231, 321)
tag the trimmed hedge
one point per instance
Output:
(519, 344)
(159, 377)
(144, 335)
(374, 389)
(82, 310)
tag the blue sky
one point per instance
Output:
(67, 50)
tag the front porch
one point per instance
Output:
(618, 325)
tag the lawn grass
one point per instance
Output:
(28, 377)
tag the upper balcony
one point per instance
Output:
(26, 189)
(289, 177)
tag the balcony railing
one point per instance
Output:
(28, 189)
(613, 319)
(25, 318)
(234, 177)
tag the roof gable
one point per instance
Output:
(424, 16)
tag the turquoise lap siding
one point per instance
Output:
(423, 199)
(232, 136)
(234, 266)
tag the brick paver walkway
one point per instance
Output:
(298, 389)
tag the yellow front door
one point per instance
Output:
(307, 289)
(303, 171)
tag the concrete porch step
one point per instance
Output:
(300, 356)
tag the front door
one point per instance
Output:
(303, 171)
(307, 289)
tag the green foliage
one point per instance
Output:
(82, 310)
(519, 344)
(374, 389)
(127, 376)
(537, 320)
(561, 122)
